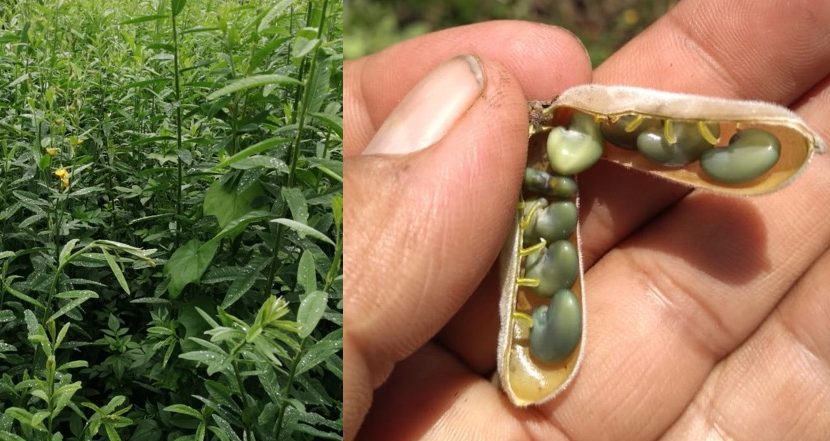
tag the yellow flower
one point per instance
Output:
(52, 151)
(63, 175)
(630, 17)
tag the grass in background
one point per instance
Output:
(603, 25)
(170, 220)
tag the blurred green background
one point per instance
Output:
(603, 25)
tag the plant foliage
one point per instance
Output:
(171, 220)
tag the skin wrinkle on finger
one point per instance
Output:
(800, 328)
(360, 127)
(435, 381)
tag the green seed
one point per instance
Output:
(576, 148)
(624, 131)
(751, 153)
(676, 144)
(557, 328)
(539, 181)
(556, 267)
(557, 221)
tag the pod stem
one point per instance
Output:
(541, 116)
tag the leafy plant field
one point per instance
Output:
(170, 220)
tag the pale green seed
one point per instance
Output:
(539, 181)
(576, 148)
(687, 147)
(557, 327)
(556, 267)
(750, 153)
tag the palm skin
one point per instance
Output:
(707, 315)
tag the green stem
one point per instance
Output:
(50, 379)
(334, 268)
(295, 149)
(287, 388)
(180, 179)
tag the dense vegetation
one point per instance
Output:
(170, 220)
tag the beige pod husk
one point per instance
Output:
(527, 381)
(798, 141)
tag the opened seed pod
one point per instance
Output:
(728, 146)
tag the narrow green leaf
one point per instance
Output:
(212, 360)
(19, 80)
(63, 395)
(6, 316)
(303, 229)
(226, 428)
(257, 148)
(318, 434)
(66, 251)
(296, 203)
(72, 304)
(236, 226)
(306, 272)
(116, 271)
(6, 254)
(75, 294)
(273, 13)
(144, 18)
(199, 29)
(113, 404)
(24, 297)
(75, 364)
(85, 191)
(177, 6)
(331, 164)
(112, 433)
(40, 393)
(253, 81)
(8, 436)
(61, 335)
(242, 284)
(184, 410)
(312, 308)
(321, 351)
(261, 161)
(25, 417)
(331, 122)
(303, 46)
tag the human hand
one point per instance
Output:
(707, 315)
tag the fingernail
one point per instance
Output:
(431, 108)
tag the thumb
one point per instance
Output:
(428, 204)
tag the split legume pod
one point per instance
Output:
(728, 146)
